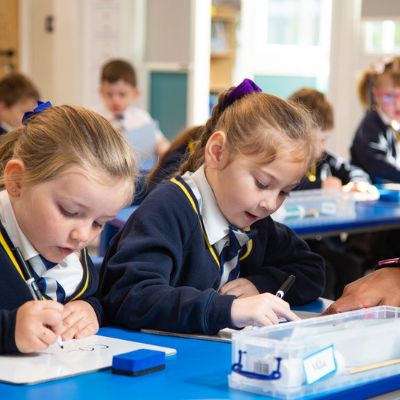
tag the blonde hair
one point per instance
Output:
(64, 136)
(259, 124)
(370, 78)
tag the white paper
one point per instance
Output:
(77, 357)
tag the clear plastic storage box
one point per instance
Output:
(311, 205)
(317, 355)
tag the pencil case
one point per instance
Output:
(318, 355)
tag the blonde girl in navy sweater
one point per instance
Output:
(202, 253)
(64, 175)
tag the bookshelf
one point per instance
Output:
(223, 44)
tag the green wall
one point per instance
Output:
(284, 86)
(168, 101)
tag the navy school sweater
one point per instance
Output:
(375, 149)
(161, 273)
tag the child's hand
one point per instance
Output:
(37, 325)
(79, 320)
(331, 182)
(261, 310)
(360, 187)
(240, 288)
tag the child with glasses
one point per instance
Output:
(375, 146)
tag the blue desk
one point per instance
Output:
(370, 216)
(198, 371)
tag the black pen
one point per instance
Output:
(285, 286)
(29, 279)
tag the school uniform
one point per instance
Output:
(75, 278)
(133, 118)
(343, 259)
(163, 269)
(332, 165)
(375, 148)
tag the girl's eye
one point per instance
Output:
(285, 194)
(97, 225)
(260, 185)
(67, 213)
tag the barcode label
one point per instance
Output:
(261, 367)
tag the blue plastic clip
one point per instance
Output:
(274, 375)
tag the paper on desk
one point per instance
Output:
(78, 356)
(224, 335)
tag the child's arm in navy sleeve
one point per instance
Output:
(279, 252)
(148, 278)
(7, 332)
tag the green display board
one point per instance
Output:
(168, 101)
(284, 86)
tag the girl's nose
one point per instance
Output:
(270, 202)
(81, 233)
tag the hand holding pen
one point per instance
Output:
(33, 288)
(38, 324)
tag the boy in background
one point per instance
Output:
(344, 259)
(17, 95)
(118, 91)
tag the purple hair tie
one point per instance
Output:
(246, 87)
(41, 106)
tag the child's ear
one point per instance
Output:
(215, 151)
(13, 177)
(2, 106)
(136, 93)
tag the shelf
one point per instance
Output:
(223, 46)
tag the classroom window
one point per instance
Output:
(381, 37)
(285, 43)
(294, 22)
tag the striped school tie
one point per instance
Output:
(49, 287)
(229, 256)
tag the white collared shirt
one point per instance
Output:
(215, 224)
(133, 118)
(68, 272)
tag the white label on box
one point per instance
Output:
(319, 365)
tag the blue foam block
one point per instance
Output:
(138, 362)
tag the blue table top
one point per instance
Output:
(370, 215)
(199, 370)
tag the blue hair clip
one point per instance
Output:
(41, 106)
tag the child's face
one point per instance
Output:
(118, 96)
(387, 97)
(321, 137)
(13, 115)
(246, 192)
(65, 214)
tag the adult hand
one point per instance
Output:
(381, 287)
